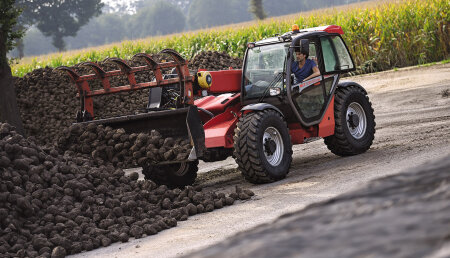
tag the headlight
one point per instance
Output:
(275, 91)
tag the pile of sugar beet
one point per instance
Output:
(62, 189)
(214, 61)
(48, 104)
(108, 145)
(53, 204)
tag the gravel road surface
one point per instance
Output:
(413, 127)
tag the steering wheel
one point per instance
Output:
(261, 84)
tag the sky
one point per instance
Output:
(115, 3)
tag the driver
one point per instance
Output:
(304, 68)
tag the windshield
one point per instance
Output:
(264, 68)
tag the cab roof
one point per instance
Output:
(332, 29)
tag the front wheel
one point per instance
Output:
(354, 122)
(262, 147)
(172, 175)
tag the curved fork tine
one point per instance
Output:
(97, 69)
(174, 54)
(120, 62)
(73, 75)
(152, 63)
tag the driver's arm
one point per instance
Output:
(315, 73)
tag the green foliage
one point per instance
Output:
(59, 18)
(382, 37)
(108, 28)
(209, 13)
(183, 5)
(148, 21)
(8, 20)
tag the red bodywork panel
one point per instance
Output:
(326, 126)
(226, 107)
(327, 28)
(334, 29)
(299, 133)
(323, 129)
(216, 104)
(219, 130)
(225, 81)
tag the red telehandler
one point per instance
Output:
(255, 114)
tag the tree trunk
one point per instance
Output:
(257, 9)
(9, 111)
(58, 42)
(20, 48)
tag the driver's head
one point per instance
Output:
(301, 55)
(302, 47)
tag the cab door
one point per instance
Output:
(311, 98)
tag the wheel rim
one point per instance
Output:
(356, 120)
(273, 146)
(180, 169)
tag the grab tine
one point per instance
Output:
(174, 54)
(154, 66)
(148, 58)
(97, 69)
(122, 63)
(101, 74)
(125, 68)
(73, 75)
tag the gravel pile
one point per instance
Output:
(214, 61)
(108, 145)
(403, 215)
(55, 205)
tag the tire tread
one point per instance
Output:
(339, 143)
(246, 147)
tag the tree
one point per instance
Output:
(283, 7)
(9, 112)
(182, 4)
(104, 29)
(158, 19)
(59, 18)
(209, 13)
(257, 9)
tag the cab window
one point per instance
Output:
(264, 69)
(335, 55)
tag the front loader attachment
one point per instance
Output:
(183, 82)
(182, 123)
(179, 121)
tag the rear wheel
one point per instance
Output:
(354, 122)
(262, 147)
(172, 175)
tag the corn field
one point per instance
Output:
(380, 37)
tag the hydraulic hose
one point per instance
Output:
(206, 111)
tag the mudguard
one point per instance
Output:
(261, 107)
(346, 84)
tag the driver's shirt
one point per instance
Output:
(305, 71)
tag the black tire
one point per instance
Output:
(172, 175)
(354, 131)
(258, 162)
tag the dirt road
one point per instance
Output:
(413, 126)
